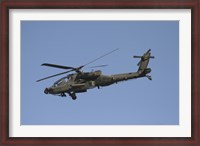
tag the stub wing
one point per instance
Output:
(77, 85)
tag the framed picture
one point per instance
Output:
(88, 46)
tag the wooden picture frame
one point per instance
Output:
(99, 4)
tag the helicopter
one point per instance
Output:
(80, 81)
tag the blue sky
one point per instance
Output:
(74, 43)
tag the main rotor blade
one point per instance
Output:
(101, 57)
(77, 69)
(57, 66)
(97, 66)
(54, 75)
(137, 56)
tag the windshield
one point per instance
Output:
(65, 79)
(60, 82)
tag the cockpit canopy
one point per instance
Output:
(60, 81)
(83, 75)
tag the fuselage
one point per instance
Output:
(77, 85)
(82, 81)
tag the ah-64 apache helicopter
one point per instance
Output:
(82, 81)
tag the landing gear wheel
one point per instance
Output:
(63, 94)
(73, 95)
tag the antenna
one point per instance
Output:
(101, 57)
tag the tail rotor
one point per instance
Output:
(143, 63)
(146, 56)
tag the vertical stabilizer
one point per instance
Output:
(143, 63)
